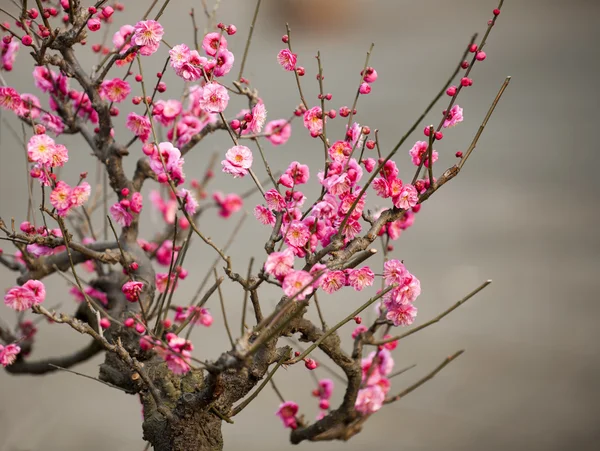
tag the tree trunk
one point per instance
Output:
(191, 431)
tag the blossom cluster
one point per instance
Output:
(375, 369)
(21, 298)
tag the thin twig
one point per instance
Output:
(222, 301)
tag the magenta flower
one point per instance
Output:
(115, 90)
(121, 215)
(313, 121)
(332, 281)
(287, 59)
(264, 215)
(136, 203)
(179, 55)
(38, 289)
(394, 272)
(60, 198)
(210, 43)
(280, 264)
(189, 201)
(278, 131)
(40, 149)
(275, 201)
(419, 152)
(214, 98)
(402, 314)
(297, 234)
(80, 194)
(132, 290)
(223, 63)
(237, 161)
(228, 204)
(147, 34)
(325, 388)
(295, 174)
(287, 412)
(10, 98)
(454, 116)
(8, 354)
(298, 284)
(340, 151)
(19, 298)
(361, 278)
(259, 116)
(370, 399)
(139, 126)
(407, 198)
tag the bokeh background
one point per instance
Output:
(524, 213)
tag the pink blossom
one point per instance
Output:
(407, 198)
(408, 291)
(165, 253)
(136, 203)
(313, 121)
(332, 281)
(192, 68)
(214, 98)
(115, 90)
(228, 204)
(359, 330)
(167, 161)
(38, 289)
(120, 37)
(295, 174)
(275, 201)
(211, 43)
(419, 151)
(298, 285)
(189, 201)
(121, 215)
(139, 126)
(340, 151)
(53, 123)
(237, 161)
(259, 116)
(162, 279)
(80, 194)
(361, 278)
(9, 54)
(402, 314)
(38, 250)
(453, 117)
(394, 272)
(325, 388)
(287, 412)
(177, 354)
(297, 234)
(179, 55)
(10, 99)
(278, 131)
(19, 298)
(223, 63)
(147, 34)
(280, 264)
(264, 215)
(132, 290)
(355, 135)
(60, 198)
(40, 149)
(201, 316)
(8, 354)
(287, 59)
(370, 399)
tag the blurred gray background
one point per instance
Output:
(523, 212)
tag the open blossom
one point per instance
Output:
(264, 215)
(147, 34)
(297, 234)
(212, 42)
(26, 296)
(132, 290)
(188, 64)
(136, 202)
(287, 59)
(453, 117)
(407, 198)
(80, 194)
(394, 272)
(313, 121)
(115, 90)
(369, 399)
(10, 98)
(31, 105)
(188, 199)
(60, 198)
(298, 284)
(121, 214)
(179, 55)
(53, 123)
(402, 314)
(176, 354)
(200, 315)
(228, 204)
(166, 161)
(287, 412)
(278, 131)
(162, 279)
(355, 135)
(259, 116)
(361, 278)
(214, 98)
(8, 354)
(419, 152)
(223, 63)
(295, 174)
(120, 37)
(237, 161)
(139, 126)
(275, 201)
(340, 151)
(332, 281)
(40, 149)
(280, 264)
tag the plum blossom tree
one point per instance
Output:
(127, 302)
